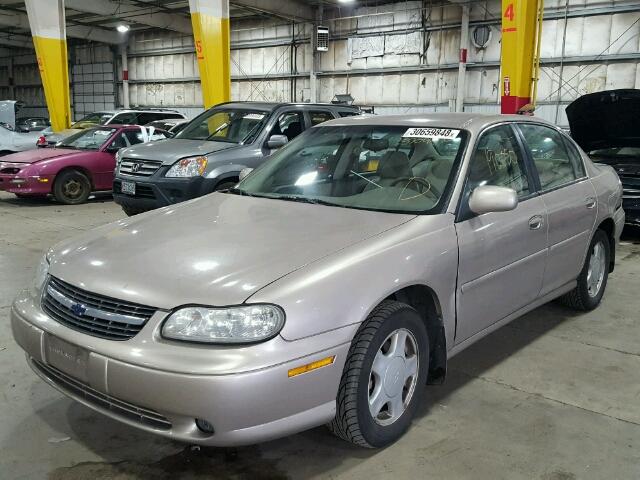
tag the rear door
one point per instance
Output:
(570, 200)
(501, 254)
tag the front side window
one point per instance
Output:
(549, 154)
(497, 160)
(319, 117)
(90, 139)
(383, 168)
(289, 124)
(225, 125)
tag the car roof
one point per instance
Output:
(467, 121)
(271, 106)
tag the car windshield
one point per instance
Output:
(98, 118)
(91, 139)
(627, 152)
(225, 125)
(393, 169)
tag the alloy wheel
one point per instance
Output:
(596, 270)
(393, 377)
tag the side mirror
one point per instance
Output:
(244, 172)
(112, 149)
(489, 198)
(277, 141)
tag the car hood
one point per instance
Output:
(606, 119)
(168, 151)
(216, 250)
(37, 155)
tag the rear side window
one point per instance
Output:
(127, 118)
(549, 152)
(576, 158)
(319, 117)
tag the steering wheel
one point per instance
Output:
(426, 187)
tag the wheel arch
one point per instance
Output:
(426, 302)
(608, 226)
(82, 170)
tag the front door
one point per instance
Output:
(501, 254)
(570, 200)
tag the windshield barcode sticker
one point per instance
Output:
(433, 133)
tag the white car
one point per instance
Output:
(12, 141)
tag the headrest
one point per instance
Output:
(394, 165)
(375, 144)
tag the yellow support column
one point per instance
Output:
(520, 34)
(47, 21)
(210, 20)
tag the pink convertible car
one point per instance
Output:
(80, 164)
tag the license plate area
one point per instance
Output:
(68, 358)
(128, 187)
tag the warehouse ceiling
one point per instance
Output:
(97, 20)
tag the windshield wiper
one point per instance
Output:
(315, 201)
(238, 191)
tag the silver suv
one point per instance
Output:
(209, 153)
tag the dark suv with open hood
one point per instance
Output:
(209, 153)
(607, 126)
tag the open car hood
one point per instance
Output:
(606, 119)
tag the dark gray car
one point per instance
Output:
(209, 153)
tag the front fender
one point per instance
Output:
(228, 170)
(343, 288)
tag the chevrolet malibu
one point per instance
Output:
(330, 286)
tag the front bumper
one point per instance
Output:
(159, 191)
(245, 405)
(29, 185)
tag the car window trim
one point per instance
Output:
(533, 163)
(462, 214)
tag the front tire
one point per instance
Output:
(224, 185)
(131, 211)
(384, 377)
(71, 187)
(592, 280)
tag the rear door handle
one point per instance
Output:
(535, 222)
(591, 202)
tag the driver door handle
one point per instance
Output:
(535, 222)
(591, 202)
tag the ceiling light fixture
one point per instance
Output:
(122, 28)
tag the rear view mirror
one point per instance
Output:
(490, 198)
(277, 141)
(244, 172)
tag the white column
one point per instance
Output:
(125, 76)
(462, 65)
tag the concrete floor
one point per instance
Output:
(553, 396)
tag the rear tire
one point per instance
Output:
(71, 187)
(592, 280)
(384, 377)
(131, 211)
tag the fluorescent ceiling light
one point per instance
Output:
(122, 28)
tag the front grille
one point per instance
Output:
(101, 400)
(142, 191)
(627, 170)
(140, 168)
(93, 314)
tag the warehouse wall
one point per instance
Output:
(397, 57)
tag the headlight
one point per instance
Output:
(41, 274)
(119, 157)
(251, 323)
(188, 167)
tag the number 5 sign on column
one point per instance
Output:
(199, 54)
